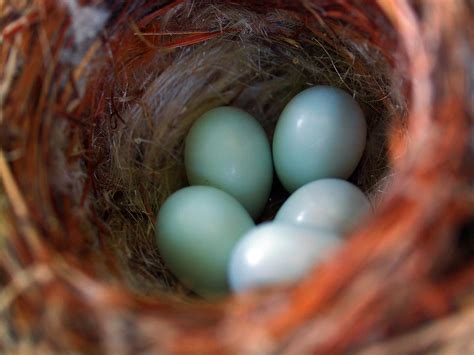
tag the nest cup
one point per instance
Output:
(96, 100)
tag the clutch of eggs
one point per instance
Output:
(205, 233)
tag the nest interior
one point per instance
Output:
(96, 99)
(257, 61)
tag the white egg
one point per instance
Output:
(327, 203)
(276, 253)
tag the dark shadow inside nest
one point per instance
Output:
(258, 63)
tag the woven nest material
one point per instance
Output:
(95, 100)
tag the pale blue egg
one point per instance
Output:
(321, 133)
(228, 149)
(327, 203)
(277, 253)
(197, 228)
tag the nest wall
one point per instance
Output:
(96, 99)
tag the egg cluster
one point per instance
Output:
(206, 232)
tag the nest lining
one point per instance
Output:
(258, 62)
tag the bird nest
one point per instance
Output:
(95, 101)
